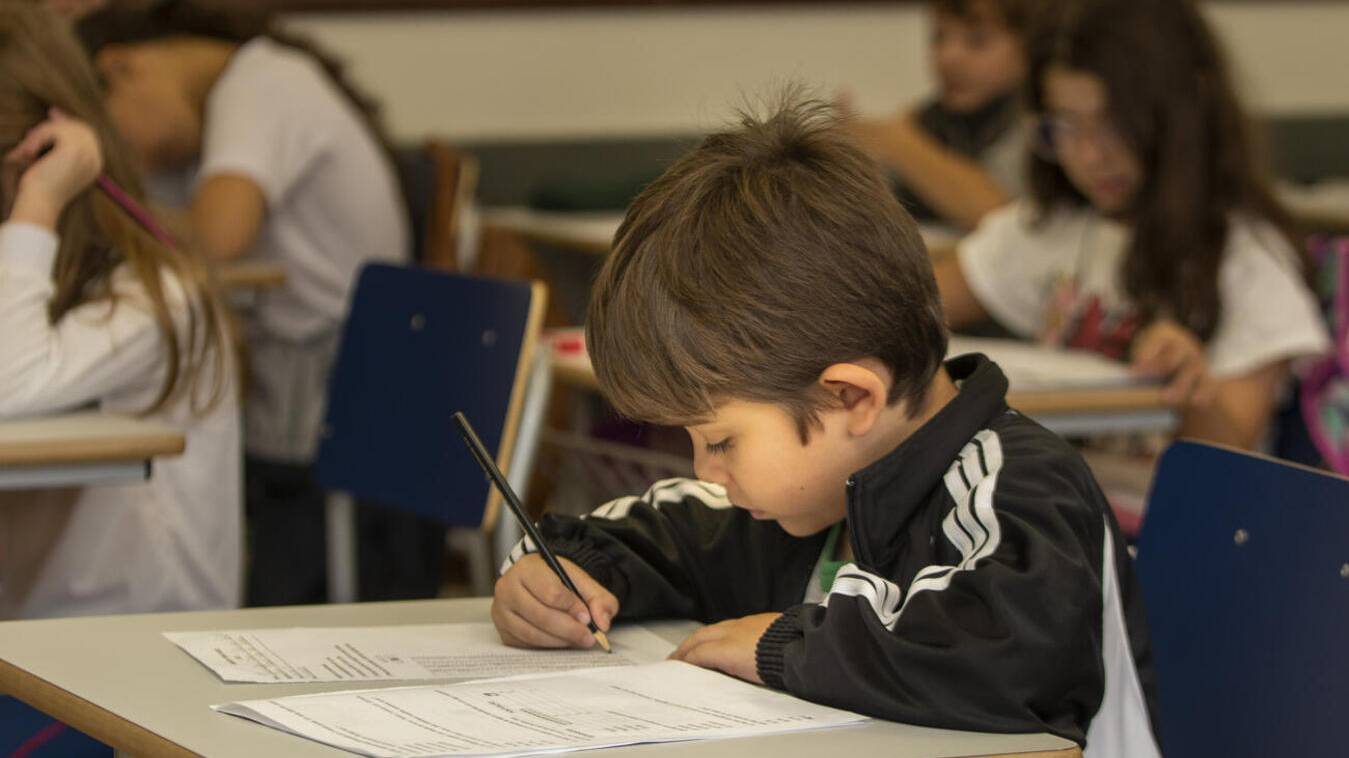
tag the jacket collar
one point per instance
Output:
(883, 496)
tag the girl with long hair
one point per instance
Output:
(1150, 234)
(95, 309)
(284, 163)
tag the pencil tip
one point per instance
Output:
(604, 642)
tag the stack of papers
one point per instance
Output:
(661, 702)
(388, 653)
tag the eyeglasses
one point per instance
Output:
(1057, 134)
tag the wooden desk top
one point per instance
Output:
(245, 274)
(90, 437)
(117, 679)
(591, 232)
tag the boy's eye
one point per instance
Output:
(717, 448)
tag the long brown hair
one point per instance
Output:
(42, 66)
(1172, 100)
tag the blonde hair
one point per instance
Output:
(42, 66)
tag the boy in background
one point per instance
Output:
(963, 153)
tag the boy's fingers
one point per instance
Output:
(522, 633)
(601, 603)
(544, 585)
(517, 605)
(554, 623)
(699, 637)
(603, 609)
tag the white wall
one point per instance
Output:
(657, 71)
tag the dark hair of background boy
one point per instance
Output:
(1172, 99)
(1016, 15)
(754, 262)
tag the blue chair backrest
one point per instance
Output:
(417, 346)
(1244, 563)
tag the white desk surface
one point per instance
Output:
(119, 680)
(1095, 401)
(593, 231)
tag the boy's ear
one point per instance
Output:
(860, 387)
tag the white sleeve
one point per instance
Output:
(1268, 314)
(259, 127)
(1000, 261)
(93, 351)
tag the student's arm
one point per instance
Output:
(1229, 411)
(1004, 638)
(958, 301)
(1239, 411)
(680, 550)
(954, 186)
(95, 349)
(226, 216)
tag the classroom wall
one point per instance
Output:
(602, 73)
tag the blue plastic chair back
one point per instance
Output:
(1244, 563)
(417, 346)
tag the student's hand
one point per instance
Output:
(532, 608)
(728, 646)
(1165, 349)
(56, 161)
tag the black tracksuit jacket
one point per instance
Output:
(990, 588)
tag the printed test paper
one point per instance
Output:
(661, 702)
(390, 653)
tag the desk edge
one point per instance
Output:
(67, 452)
(99, 723)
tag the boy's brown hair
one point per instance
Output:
(1015, 15)
(754, 262)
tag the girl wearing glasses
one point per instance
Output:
(1150, 234)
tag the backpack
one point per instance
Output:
(1325, 382)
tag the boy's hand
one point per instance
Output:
(57, 160)
(532, 608)
(1167, 349)
(728, 646)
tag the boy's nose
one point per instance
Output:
(707, 469)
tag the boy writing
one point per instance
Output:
(871, 528)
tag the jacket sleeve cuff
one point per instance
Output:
(768, 653)
(594, 562)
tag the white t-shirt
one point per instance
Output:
(170, 543)
(1060, 281)
(332, 196)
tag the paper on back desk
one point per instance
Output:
(661, 702)
(389, 653)
(1030, 367)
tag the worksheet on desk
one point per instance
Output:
(385, 653)
(661, 702)
(1032, 367)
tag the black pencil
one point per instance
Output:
(484, 460)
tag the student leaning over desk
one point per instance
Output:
(291, 168)
(94, 310)
(1150, 234)
(872, 529)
